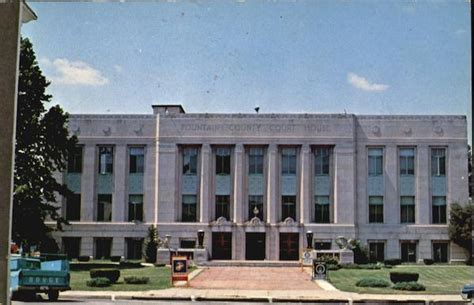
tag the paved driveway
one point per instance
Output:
(254, 278)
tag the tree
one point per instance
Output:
(469, 170)
(42, 147)
(460, 226)
(151, 245)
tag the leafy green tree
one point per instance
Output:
(151, 245)
(460, 226)
(42, 146)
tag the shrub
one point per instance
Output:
(136, 280)
(372, 282)
(111, 274)
(333, 267)
(83, 258)
(370, 266)
(328, 259)
(350, 266)
(411, 286)
(98, 282)
(428, 261)
(130, 264)
(397, 277)
(116, 258)
(151, 244)
(392, 261)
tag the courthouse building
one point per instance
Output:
(256, 183)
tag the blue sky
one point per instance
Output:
(365, 57)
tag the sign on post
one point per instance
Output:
(179, 269)
(319, 270)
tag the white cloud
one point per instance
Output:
(362, 83)
(67, 72)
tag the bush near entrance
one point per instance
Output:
(410, 286)
(98, 282)
(111, 274)
(136, 280)
(397, 277)
(372, 282)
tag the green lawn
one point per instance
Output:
(159, 279)
(438, 279)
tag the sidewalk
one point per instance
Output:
(256, 295)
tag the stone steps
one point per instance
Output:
(245, 263)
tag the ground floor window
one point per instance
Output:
(322, 245)
(73, 207)
(103, 248)
(134, 248)
(187, 243)
(321, 209)
(288, 207)
(408, 250)
(440, 252)
(256, 207)
(376, 251)
(104, 207)
(438, 209)
(135, 208)
(188, 212)
(223, 206)
(72, 246)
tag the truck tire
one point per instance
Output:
(53, 295)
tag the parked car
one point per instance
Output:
(44, 274)
(467, 291)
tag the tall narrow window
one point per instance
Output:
(104, 208)
(137, 159)
(407, 209)
(73, 207)
(408, 250)
(321, 161)
(106, 157)
(223, 206)
(256, 207)
(256, 161)
(223, 161)
(375, 161)
(438, 162)
(135, 208)
(321, 209)
(134, 248)
(376, 251)
(103, 248)
(288, 207)
(439, 209)
(440, 252)
(188, 213)
(288, 161)
(190, 156)
(375, 209)
(407, 161)
(74, 160)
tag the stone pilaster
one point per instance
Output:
(344, 190)
(305, 185)
(457, 175)
(119, 200)
(391, 200)
(422, 199)
(150, 183)
(87, 246)
(167, 179)
(393, 249)
(424, 250)
(118, 246)
(88, 183)
(238, 183)
(272, 184)
(205, 180)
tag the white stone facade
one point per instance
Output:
(344, 180)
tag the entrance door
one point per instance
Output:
(255, 246)
(221, 245)
(289, 244)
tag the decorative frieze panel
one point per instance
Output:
(223, 184)
(288, 185)
(256, 185)
(189, 185)
(105, 184)
(407, 186)
(135, 183)
(322, 185)
(438, 186)
(73, 182)
(375, 186)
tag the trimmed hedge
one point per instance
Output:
(392, 262)
(428, 261)
(115, 259)
(98, 282)
(372, 282)
(410, 286)
(83, 258)
(130, 264)
(112, 274)
(362, 266)
(332, 267)
(397, 277)
(136, 280)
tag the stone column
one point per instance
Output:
(167, 179)
(391, 200)
(88, 194)
(238, 183)
(424, 249)
(393, 249)
(118, 246)
(205, 194)
(344, 190)
(119, 200)
(150, 184)
(422, 199)
(457, 175)
(272, 184)
(305, 185)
